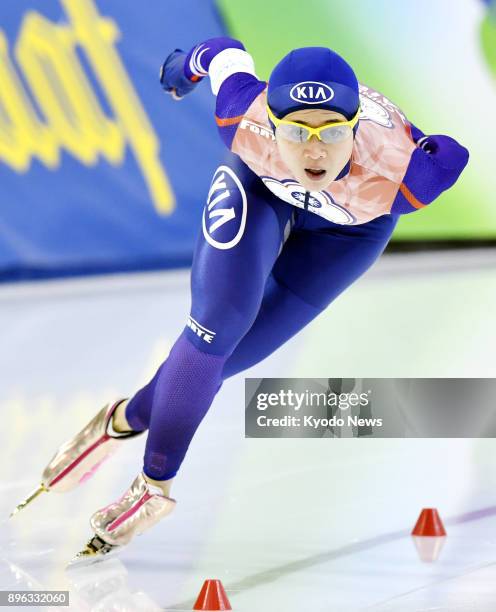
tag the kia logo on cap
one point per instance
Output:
(311, 92)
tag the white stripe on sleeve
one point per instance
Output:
(226, 63)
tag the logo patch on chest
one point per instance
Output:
(319, 202)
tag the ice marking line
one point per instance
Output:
(437, 581)
(282, 571)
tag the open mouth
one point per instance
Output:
(315, 173)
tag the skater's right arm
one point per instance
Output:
(232, 79)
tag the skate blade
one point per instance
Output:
(33, 495)
(96, 550)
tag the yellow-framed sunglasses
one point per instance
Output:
(330, 133)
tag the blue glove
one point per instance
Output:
(447, 152)
(428, 144)
(172, 77)
(421, 140)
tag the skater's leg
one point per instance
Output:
(282, 314)
(136, 412)
(318, 262)
(227, 289)
(297, 290)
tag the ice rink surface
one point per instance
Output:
(287, 524)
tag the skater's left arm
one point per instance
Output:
(434, 167)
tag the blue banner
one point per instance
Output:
(100, 169)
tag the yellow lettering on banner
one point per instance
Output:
(47, 55)
(96, 36)
(73, 117)
(21, 133)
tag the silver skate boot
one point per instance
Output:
(114, 526)
(79, 458)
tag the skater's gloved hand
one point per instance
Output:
(446, 151)
(172, 77)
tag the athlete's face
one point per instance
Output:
(313, 163)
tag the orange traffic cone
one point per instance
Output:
(429, 524)
(212, 597)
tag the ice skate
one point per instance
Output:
(114, 526)
(79, 458)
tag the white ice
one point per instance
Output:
(289, 524)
